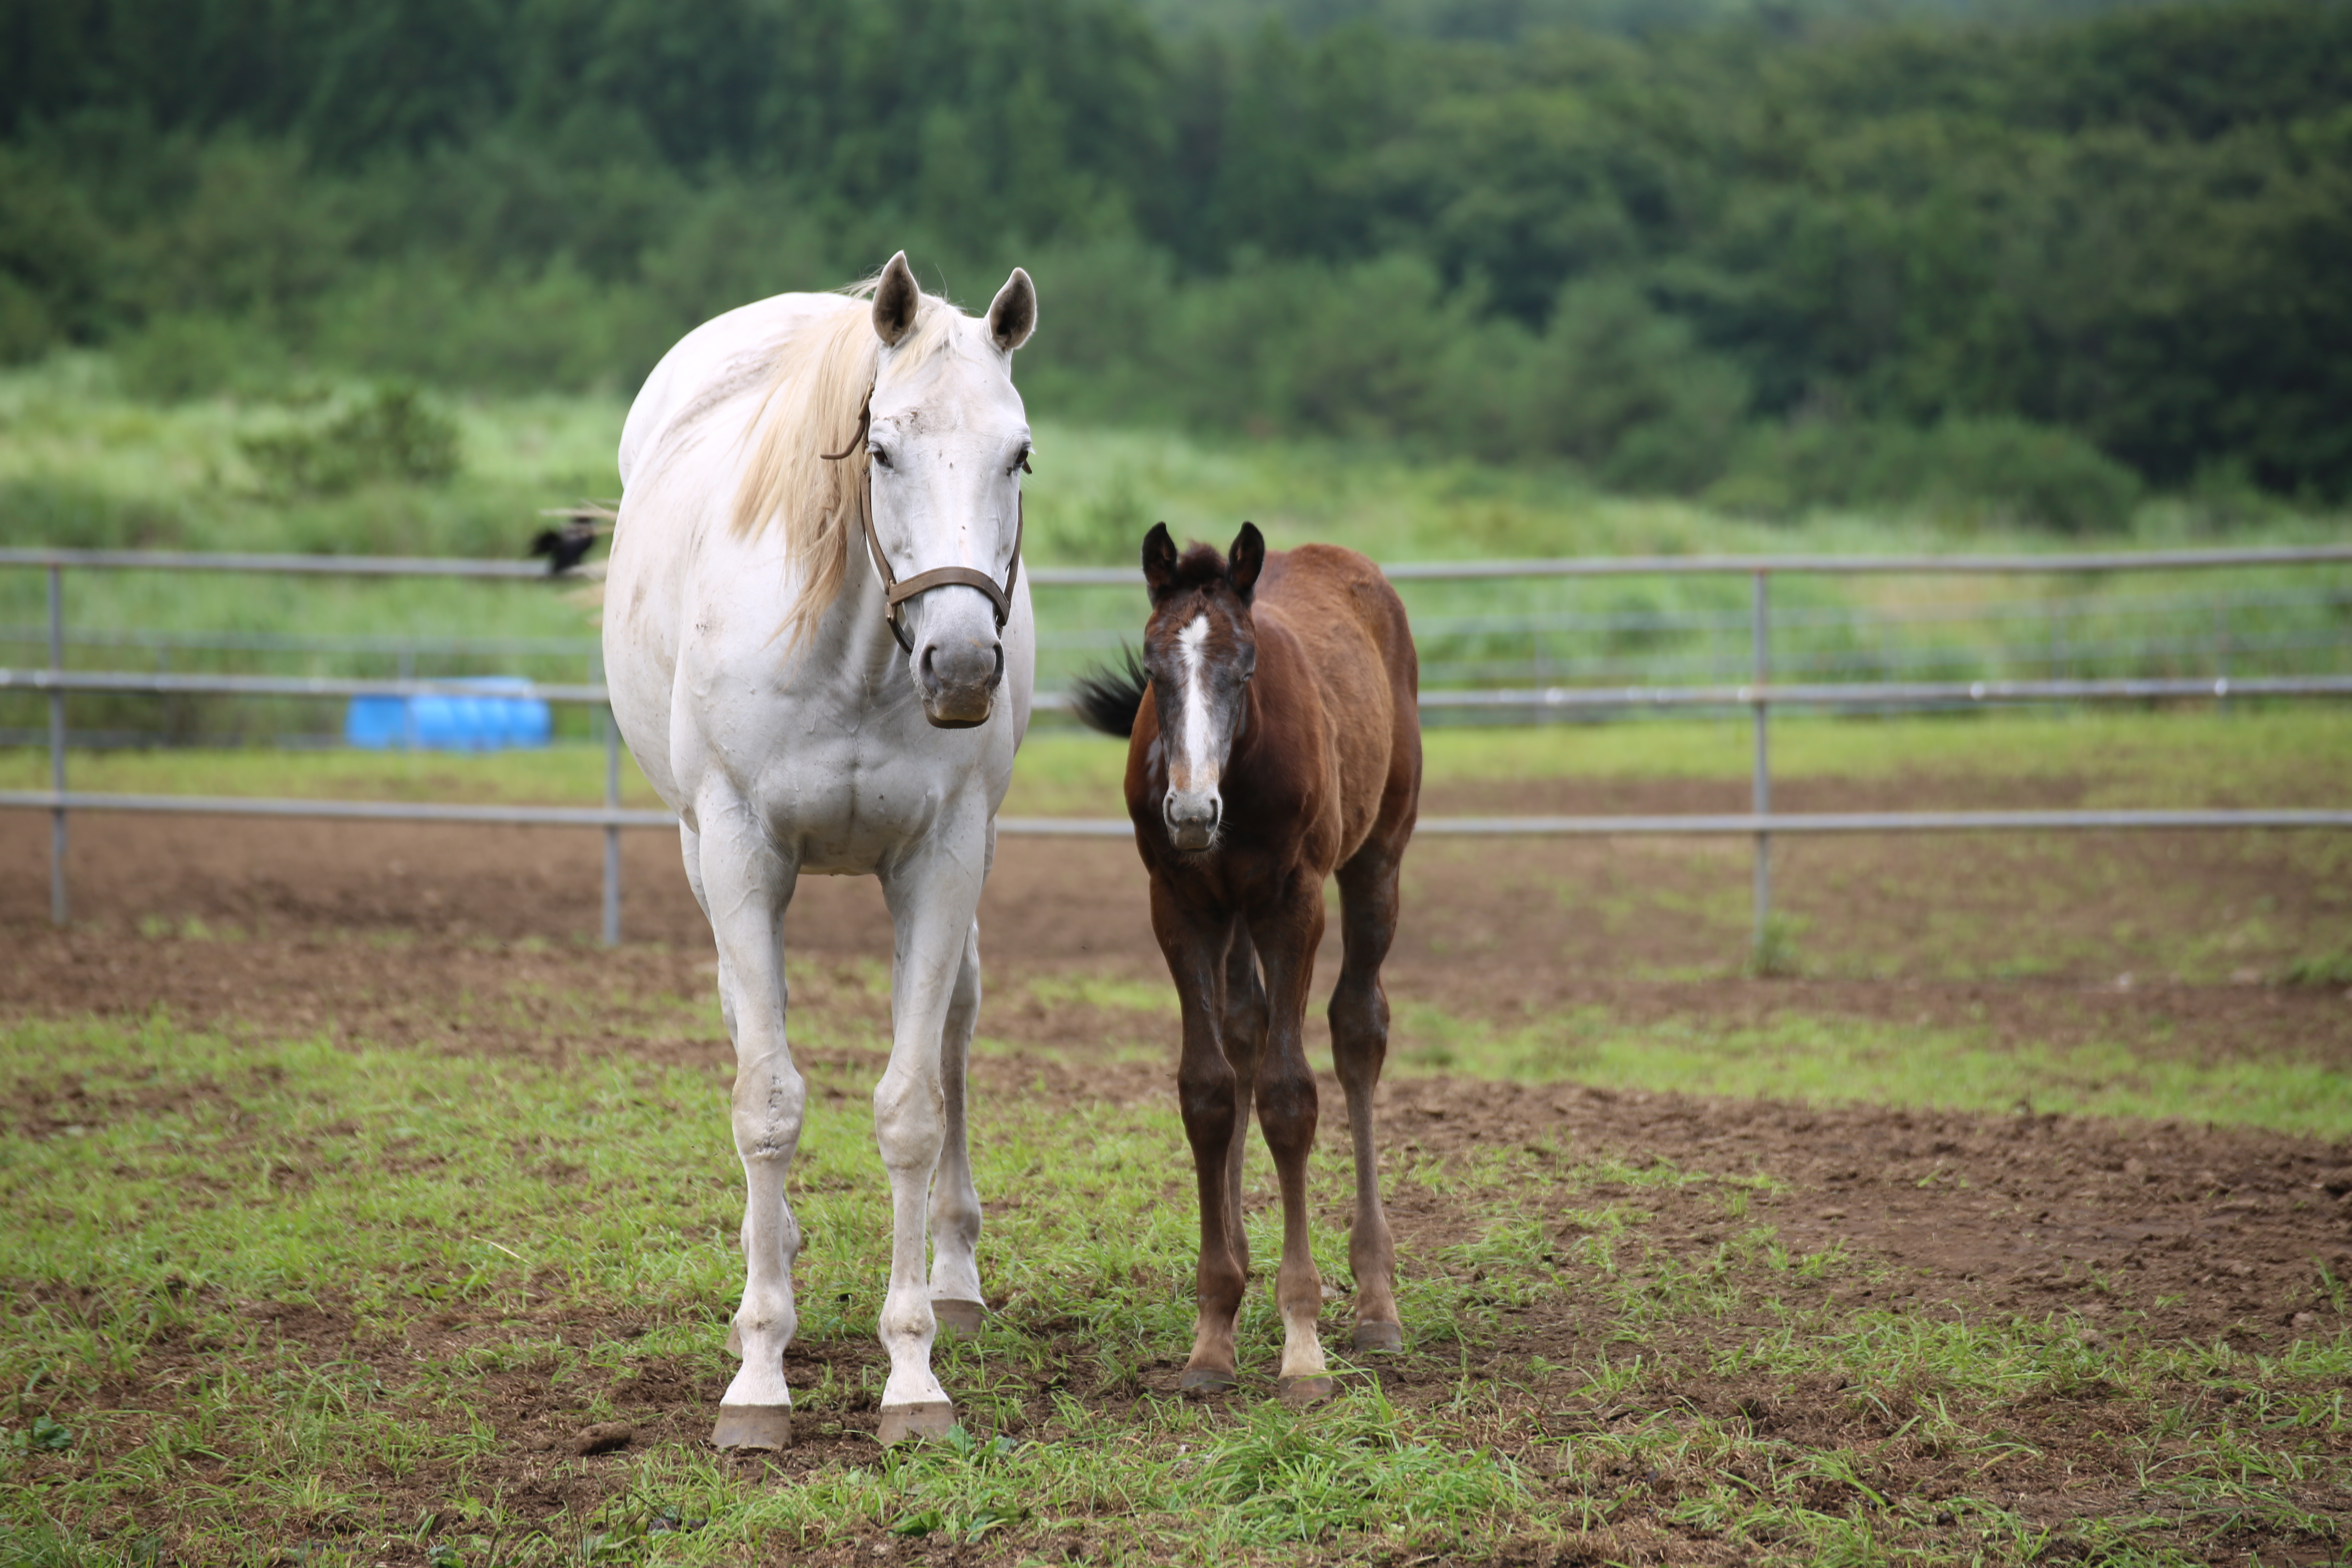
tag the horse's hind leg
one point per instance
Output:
(745, 886)
(1360, 1044)
(956, 1299)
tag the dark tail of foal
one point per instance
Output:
(1108, 699)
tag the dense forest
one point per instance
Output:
(1775, 255)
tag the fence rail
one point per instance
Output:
(1399, 571)
(1839, 695)
(1758, 695)
(1719, 824)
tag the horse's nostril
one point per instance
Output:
(996, 677)
(929, 674)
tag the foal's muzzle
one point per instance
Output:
(1192, 817)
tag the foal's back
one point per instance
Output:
(1356, 647)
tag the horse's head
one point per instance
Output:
(1200, 648)
(947, 444)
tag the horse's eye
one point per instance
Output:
(881, 455)
(1026, 453)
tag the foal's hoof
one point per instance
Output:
(901, 1423)
(1206, 1380)
(753, 1427)
(963, 1317)
(1299, 1392)
(1384, 1339)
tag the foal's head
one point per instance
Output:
(1200, 649)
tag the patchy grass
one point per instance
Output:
(555, 775)
(1828, 1059)
(280, 1301)
(2185, 757)
(2148, 759)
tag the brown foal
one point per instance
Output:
(1273, 741)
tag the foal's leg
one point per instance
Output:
(932, 897)
(956, 1301)
(744, 885)
(1286, 937)
(1360, 1044)
(1208, 1093)
(1242, 1029)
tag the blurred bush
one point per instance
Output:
(1971, 471)
(393, 436)
(68, 515)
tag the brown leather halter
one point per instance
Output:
(895, 593)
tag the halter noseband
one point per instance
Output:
(895, 593)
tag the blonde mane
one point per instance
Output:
(821, 377)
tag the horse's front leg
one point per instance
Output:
(1194, 942)
(956, 1298)
(933, 895)
(1286, 935)
(744, 885)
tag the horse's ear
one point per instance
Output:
(1159, 563)
(896, 300)
(1013, 314)
(1245, 559)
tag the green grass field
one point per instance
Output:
(2190, 756)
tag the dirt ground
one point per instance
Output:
(2195, 1235)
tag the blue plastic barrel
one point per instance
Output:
(451, 722)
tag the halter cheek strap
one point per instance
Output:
(895, 593)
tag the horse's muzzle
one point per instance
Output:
(1193, 818)
(957, 679)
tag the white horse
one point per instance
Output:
(821, 653)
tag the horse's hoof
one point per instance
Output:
(753, 1427)
(1301, 1391)
(1383, 1339)
(901, 1423)
(1206, 1380)
(963, 1317)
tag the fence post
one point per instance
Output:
(59, 907)
(2222, 650)
(1760, 786)
(612, 831)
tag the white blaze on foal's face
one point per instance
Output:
(1203, 677)
(1193, 768)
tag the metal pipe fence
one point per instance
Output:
(1758, 696)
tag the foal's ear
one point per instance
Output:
(896, 300)
(1159, 563)
(1245, 559)
(1013, 315)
